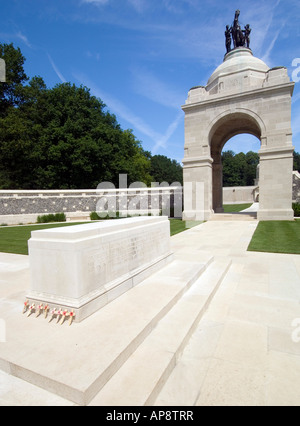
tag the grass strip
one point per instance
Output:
(235, 208)
(14, 239)
(276, 237)
(178, 225)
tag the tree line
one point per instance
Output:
(63, 137)
(240, 169)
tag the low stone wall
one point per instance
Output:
(250, 194)
(20, 206)
(296, 187)
(239, 194)
(25, 206)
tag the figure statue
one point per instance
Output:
(228, 38)
(237, 33)
(240, 38)
(234, 28)
(247, 32)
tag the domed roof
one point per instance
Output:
(238, 60)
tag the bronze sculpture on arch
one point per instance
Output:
(240, 38)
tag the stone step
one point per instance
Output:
(76, 362)
(141, 378)
(233, 216)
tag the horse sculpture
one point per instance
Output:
(240, 38)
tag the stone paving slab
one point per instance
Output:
(242, 352)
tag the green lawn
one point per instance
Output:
(270, 236)
(276, 237)
(234, 208)
(13, 239)
(178, 225)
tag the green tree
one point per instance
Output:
(62, 138)
(252, 160)
(163, 169)
(11, 92)
(231, 176)
(297, 161)
(239, 169)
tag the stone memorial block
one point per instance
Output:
(84, 267)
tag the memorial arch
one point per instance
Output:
(243, 95)
(228, 125)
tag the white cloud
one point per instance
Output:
(117, 107)
(58, 73)
(162, 141)
(264, 21)
(149, 86)
(295, 98)
(138, 5)
(266, 57)
(17, 35)
(96, 2)
(93, 55)
(24, 39)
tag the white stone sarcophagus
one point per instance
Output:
(84, 267)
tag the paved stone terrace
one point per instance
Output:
(241, 352)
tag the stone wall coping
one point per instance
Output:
(295, 172)
(35, 192)
(241, 187)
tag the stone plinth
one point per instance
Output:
(84, 267)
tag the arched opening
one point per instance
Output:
(222, 131)
(240, 161)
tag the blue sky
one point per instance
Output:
(141, 57)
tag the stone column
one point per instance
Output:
(275, 188)
(197, 177)
(217, 186)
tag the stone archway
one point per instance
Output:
(242, 96)
(226, 127)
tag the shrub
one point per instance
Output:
(57, 217)
(296, 208)
(110, 215)
(94, 216)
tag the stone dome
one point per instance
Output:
(240, 60)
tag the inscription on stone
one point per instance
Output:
(122, 256)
